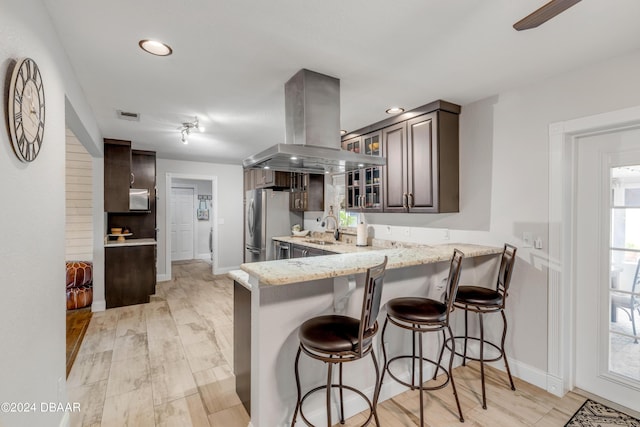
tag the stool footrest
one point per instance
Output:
(424, 359)
(337, 386)
(477, 359)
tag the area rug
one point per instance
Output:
(594, 414)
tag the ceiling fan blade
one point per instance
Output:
(542, 15)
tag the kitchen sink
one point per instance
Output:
(319, 242)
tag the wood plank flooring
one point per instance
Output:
(77, 324)
(169, 363)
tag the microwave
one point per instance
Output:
(138, 199)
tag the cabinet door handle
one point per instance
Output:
(133, 178)
(404, 200)
(411, 204)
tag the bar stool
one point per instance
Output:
(420, 315)
(340, 339)
(483, 300)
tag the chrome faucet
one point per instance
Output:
(325, 223)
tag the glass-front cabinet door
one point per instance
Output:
(364, 186)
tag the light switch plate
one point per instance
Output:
(527, 239)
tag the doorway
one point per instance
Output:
(182, 223)
(607, 361)
(191, 219)
(583, 156)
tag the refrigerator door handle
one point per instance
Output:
(251, 218)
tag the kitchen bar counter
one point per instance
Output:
(130, 242)
(336, 247)
(283, 272)
(278, 296)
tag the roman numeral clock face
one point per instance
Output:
(26, 110)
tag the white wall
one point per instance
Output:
(32, 273)
(230, 211)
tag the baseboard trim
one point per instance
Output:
(163, 278)
(525, 372)
(205, 256)
(98, 306)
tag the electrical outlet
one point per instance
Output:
(446, 235)
(537, 243)
(406, 231)
(388, 230)
(527, 239)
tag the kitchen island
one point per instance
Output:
(282, 294)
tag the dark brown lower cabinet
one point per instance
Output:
(242, 343)
(130, 274)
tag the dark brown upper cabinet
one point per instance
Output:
(265, 178)
(307, 192)
(364, 186)
(422, 168)
(125, 168)
(117, 175)
(421, 151)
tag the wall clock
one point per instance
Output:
(26, 110)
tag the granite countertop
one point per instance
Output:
(242, 277)
(283, 272)
(130, 242)
(336, 247)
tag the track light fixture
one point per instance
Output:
(185, 129)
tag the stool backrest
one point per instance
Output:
(453, 280)
(371, 305)
(507, 262)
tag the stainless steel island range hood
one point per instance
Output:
(312, 118)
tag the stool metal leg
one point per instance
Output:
(484, 397)
(453, 384)
(444, 341)
(374, 404)
(413, 359)
(384, 358)
(466, 325)
(341, 397)
(504, 355)
(298, 402)
(421, 380)
(329, 372)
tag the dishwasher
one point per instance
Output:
(282, 249)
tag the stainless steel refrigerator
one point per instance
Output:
(267, 215)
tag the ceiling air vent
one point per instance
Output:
(126, 115)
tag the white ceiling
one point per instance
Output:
(231, 59)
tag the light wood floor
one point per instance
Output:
(169, 363)
(77, 323)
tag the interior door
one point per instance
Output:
(182, 223)
(607, 248)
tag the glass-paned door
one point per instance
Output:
(624, 289)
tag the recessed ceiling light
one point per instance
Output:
(395, 110)
(360, 165)
(155, 47)
(294, 158)
(267, 167)
(342, 132)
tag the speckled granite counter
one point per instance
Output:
(295, 270)
(130, 242)
(242, 277)
(337, 247)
